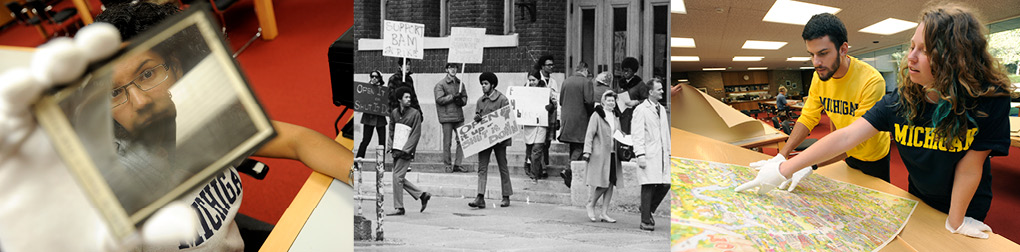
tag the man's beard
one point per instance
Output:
(832, 70)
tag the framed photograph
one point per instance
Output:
(165, 114)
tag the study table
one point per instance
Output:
(798, 105)
(924, 231)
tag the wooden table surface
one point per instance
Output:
(924, 231)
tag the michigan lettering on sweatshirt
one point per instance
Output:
(833, 106)
(924, 137)
(213, 204)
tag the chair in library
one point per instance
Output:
(44, 11)
(20, 13)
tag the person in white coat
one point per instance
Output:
(650, 133)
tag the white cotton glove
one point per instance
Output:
(42, 206)
(970, 227)
(797, 176)
(758, 164)
(640, 162)
(768, 178)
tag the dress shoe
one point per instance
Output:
(591, 213)
(566, 178)
(605, 218)
(457, 168)
(449, 169)
(647, 226)
(479, 202)
(400, 211)
(506, 201)
(425, 197)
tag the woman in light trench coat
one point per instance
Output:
(603, 167)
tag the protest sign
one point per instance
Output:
(530, 103)
(494, 128)
(466, 45)
(403, 39)
(371, 99)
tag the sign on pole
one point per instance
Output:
(371, 99)
(403, 39)
(494, 128)
(530, 103)
(466, 45)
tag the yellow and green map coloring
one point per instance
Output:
(820, 215)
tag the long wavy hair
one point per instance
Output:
(962, 68)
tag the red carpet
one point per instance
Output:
(1005, 173)
(290, 76)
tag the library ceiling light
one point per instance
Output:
(684, 58)
(798, 59)
(713, 69)
(757, 68)
(681, 42)
(763, 45)
(677, 6)
(747, 58)
(794, 12)
(807, 68)
(889, 26)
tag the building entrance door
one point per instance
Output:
(602, 33)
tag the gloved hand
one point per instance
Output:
(37, 186)
(970, 227)
(478, 118)
(586, 157)
(758, 164)
(797, 176)
(640, 160)
(768, 178)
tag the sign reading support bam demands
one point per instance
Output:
(403, 39)
(530, 103)
(466, 45)
(494, 128)
(371, 99)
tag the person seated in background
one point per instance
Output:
(782, 105)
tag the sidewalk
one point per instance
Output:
(448, 224)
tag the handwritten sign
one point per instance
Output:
(494, 128)
(403, 39)
(371, 99)
(466, 45)
(530, 104)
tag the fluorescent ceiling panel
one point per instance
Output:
(757, 68)
(794, 12)
(889, 26)
(763, 45)
(747, 58)
(681, 42)
(684, 58)
(713, 69)
(677, 6)
(798, 59)
(807, 68)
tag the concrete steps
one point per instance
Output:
(432, 161)
(465, 185)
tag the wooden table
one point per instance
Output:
(772, 136)
(263, 10)
(924, 231)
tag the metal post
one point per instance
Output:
(380, 160)
(357, 186)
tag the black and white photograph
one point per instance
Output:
(511, 124)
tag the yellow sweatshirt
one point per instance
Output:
(845, 100)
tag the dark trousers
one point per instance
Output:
(366, 137)
(576, 150)
(504, 171)
(400, 184)
(537, 164)
(651, 196)
(448, 136)
(878, 168)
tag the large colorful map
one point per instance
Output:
(820, 215)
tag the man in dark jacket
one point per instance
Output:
(577, 102)
(402, 78)
(492, 101)
(451, 96)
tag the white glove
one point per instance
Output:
(970, 227)
(640, 162)
(797, 176)
(768, 178)
(758, 164)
